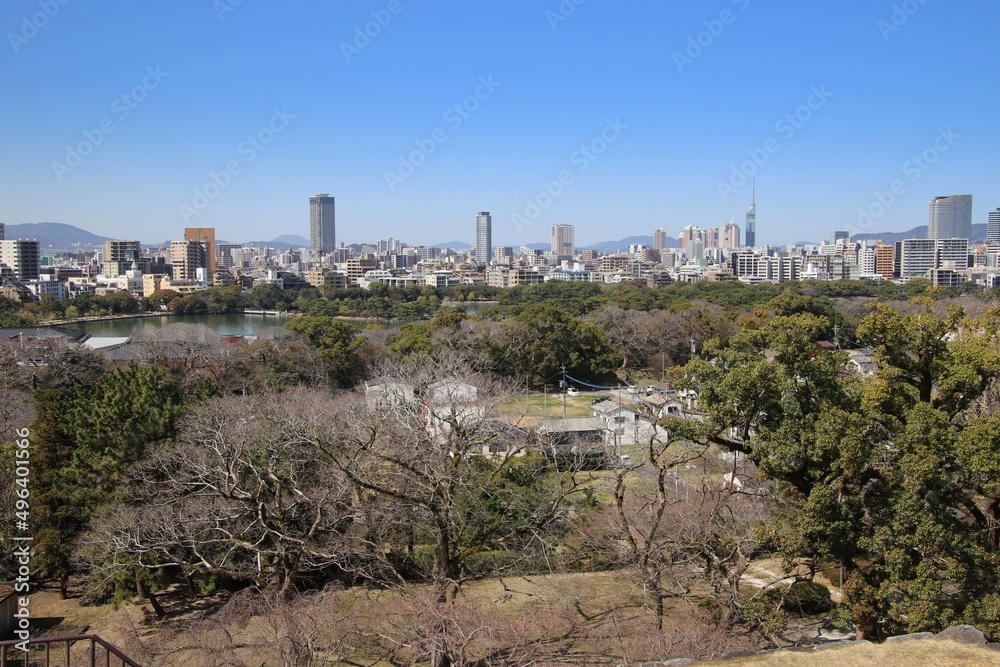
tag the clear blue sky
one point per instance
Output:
(225, 67)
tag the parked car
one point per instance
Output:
(572, 391)
(599, 399)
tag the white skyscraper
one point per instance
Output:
(992, 228)
(484, 237)
(751, 230)
(322, 224)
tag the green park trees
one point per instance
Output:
(884, 476)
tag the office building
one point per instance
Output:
(23, 259)
(204, 235)
(950, 217)
(322, 224)
(751, 227)
(1, 231)
(660, 239)
(563, 243)
(484, 238)
(992, 229)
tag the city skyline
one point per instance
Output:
(666, 129)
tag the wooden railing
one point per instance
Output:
(58, 652)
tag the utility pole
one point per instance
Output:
(564, 388)
(836, 336)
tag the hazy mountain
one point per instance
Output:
(454, 245)
(293, 240)
(978, 235)
(622, 245)
(54, 235)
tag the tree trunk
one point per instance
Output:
(142, 588)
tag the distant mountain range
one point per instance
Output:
(54, 236)
(889, 238)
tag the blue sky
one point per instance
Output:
(231, 113)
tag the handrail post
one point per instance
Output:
(93, 650)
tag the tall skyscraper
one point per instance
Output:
(1, 231)
(950, 217)
(660, 239)
(484, 237)
(729, 236)
(204, 235)
(992, 229)
(751, 232)
(322, 224)
(563, 243)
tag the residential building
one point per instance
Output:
(186, 257)
(915, 257)
(563, 242)
(205, 235)
(23, 259)
(357, 268)
(992, 229)
(322, 224)
(729, 236)
(950, 217)
(885, 260)
(484, 238)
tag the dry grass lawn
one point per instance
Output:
(918, 653)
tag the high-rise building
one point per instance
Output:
(484, 237)
(915, 257)
(992, 229)
(22, 258)
(322, 224)
(660, 239)
(204, 235)
(885, 260)
(751, 233)
(186, 257)
(563, 242)
(690, 234)
(119, 256)
(950, 217)
(729, 236)
(1, 231)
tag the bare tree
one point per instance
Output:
(427, 441)
(241, 493)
